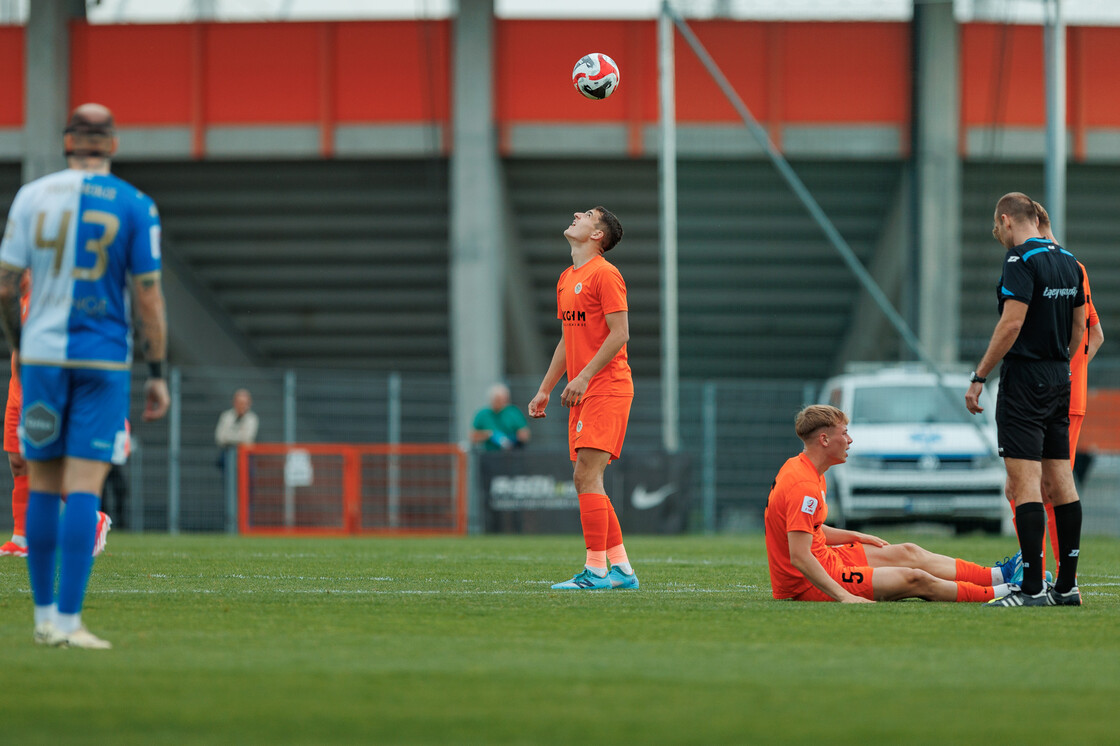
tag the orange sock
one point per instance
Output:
(970, 572)
(593, 515)
(614, 530)
(20, 491)
(1052, 528)
(972, 593)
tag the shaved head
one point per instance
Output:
(90, 132)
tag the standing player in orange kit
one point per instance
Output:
(17, 545)
(591, 304)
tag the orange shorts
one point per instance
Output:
(11, 416)
(599, 422)
(855, 575)
(1075, 422)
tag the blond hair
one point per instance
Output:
(814, 417)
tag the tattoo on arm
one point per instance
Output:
(9, 306)
(142, 336)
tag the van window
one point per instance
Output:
(897, 405)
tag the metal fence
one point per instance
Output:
(737, 434)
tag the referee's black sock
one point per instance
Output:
(1030, 520)
(1068, 520)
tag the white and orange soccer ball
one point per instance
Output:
(596, 76)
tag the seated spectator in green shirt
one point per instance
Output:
(500, 426)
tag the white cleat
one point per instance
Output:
(83, 638)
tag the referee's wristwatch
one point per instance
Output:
(973, 378)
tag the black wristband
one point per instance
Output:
(155, 369)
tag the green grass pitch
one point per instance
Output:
(323, 641)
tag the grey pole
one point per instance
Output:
(394, 461)
(709, 417)
(937, 178)
(477, 272)
(1055, 48)
(174, 450)
(667, 168)
(47, 84)
(289, 439)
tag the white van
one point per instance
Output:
(916, 454)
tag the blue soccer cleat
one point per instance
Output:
(621, 581)
(1012, 568)
(585, 581)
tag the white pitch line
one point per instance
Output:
(371, 592)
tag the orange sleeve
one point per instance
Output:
(612, 291)
(801, 506)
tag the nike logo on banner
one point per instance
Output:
(642, 499)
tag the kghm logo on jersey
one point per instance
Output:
(575, 316)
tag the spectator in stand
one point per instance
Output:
(500, 426)
(237, 425)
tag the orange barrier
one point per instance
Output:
(343, 489)
(1100, 433)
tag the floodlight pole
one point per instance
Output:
(1054, 42)
(667, 171)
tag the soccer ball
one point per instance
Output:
(596, 76)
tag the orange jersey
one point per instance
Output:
(796, 504)
(584, 297)
(1079, 360)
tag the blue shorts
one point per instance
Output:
(77, 412)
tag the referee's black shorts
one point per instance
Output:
(1032, 410)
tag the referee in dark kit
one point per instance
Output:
(1041, 318)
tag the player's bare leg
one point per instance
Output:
(897, 583)
(939, 565)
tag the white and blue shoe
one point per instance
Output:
(621, 581)
(585, 581)
(1012, 568)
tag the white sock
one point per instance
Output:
(625, 567)
(1001, 590)
(599, 572)
(68, 623)
(45, 613)
(19, 541)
